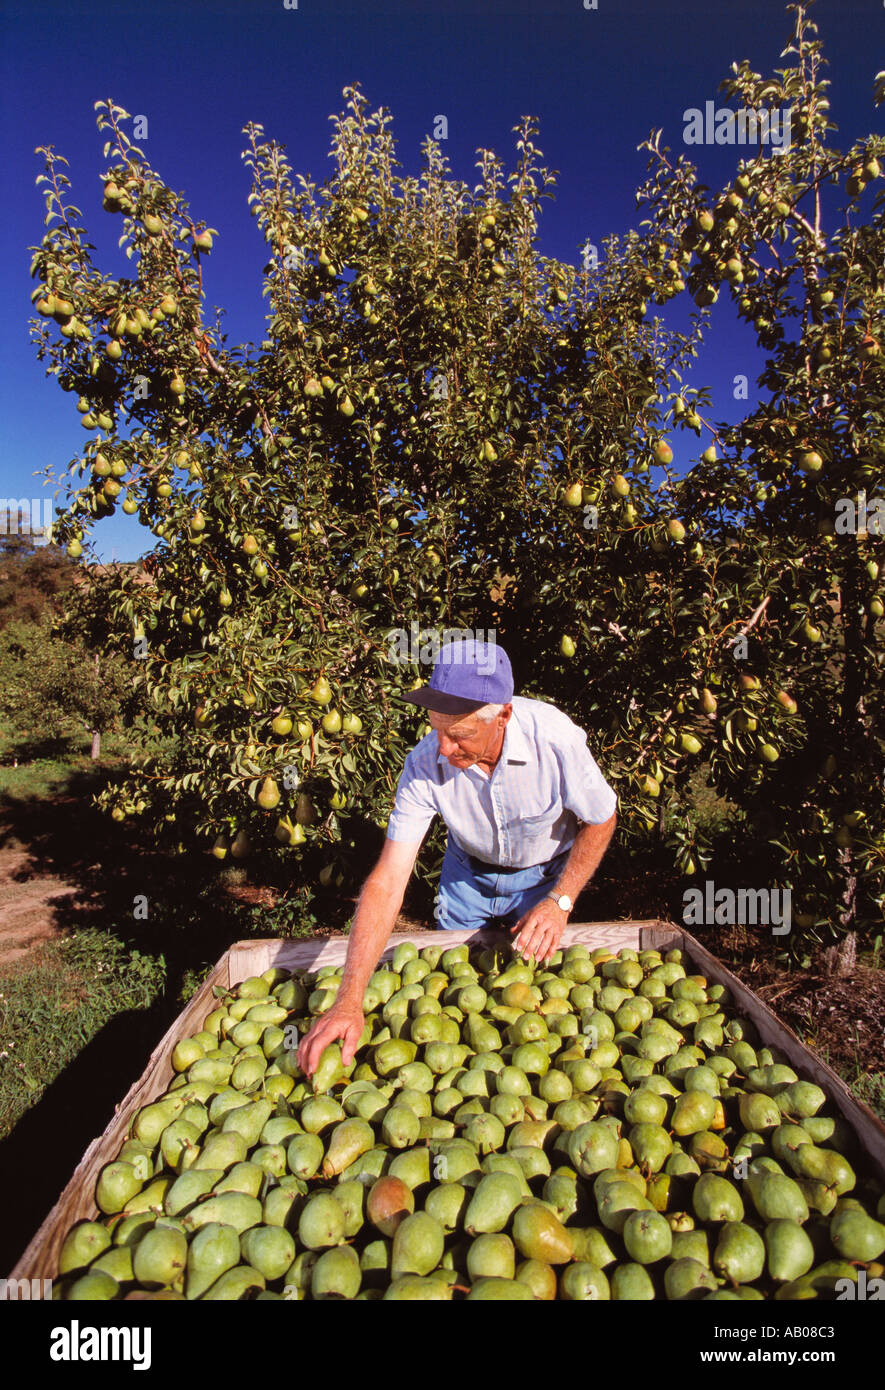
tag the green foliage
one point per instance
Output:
(33, 578)
(53, 1005)
(52, 689)
(423, 436)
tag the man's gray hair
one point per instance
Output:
(488, 712)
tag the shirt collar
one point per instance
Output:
(515, 748)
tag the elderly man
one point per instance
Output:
(529, 816)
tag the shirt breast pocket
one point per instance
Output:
(534, 827)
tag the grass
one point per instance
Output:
(868, 1086)
(55, 1001)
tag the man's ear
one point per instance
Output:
(506, 713)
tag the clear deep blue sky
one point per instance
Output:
(597, 80)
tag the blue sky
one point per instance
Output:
(597, 80)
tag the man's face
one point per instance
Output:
(464, 739)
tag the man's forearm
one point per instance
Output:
(590, 845)
(374, 919)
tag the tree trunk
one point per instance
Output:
(96, 735)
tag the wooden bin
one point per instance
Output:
(76, 1203)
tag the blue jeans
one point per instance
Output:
(472, 894)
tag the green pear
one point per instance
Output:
(592, 1245)
(539, 1235)
(336, 1274)
(129, 1230)
(351, 1195)
(271, 1158)
(632, 1283)
(694, 1111)
(213, 1250)
(486, 1132)
(532, 1160)
(691, 1245)
(375, 1263)
(180, 1145)
(141, 1157)
(414, 1288)
(739, 1253)
(233, 1284)
(319, 1113)
(82, 1244)
(189, 1188)
(499, 1291)
(304, 1154)
(491, 1256)
(221, 1150)
(152, 1119)
(822, 1165)
(802, 1099)
(759, 1112)
(447, 1204)
(418, 1245)
(647, 1236)
(651, 1145)
(151, 1197)
(716, 1199)
(245, 1177)
(94, 1286)
(819, 1195)
(160, 1258)
(687, 1279)
(584, 1282)
(269, 1249)
(591, 1148)
(494, 1200)
(413, 1166)
(644, 1106)
(117, 1183)
(789, 1251)
(399, 1127)
(321, 1222)
(539, 1277)
(777, 1198)
(235, 1209)
(117, 1262)
(283, 1202)
(857, 1236)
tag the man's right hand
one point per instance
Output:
(344, 1021)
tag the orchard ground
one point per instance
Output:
(87, 989)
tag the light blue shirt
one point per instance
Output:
(545, 782)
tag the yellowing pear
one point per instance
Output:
(573, 496)
(321, 693)
(269, 795)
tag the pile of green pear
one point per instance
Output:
(603, 1127)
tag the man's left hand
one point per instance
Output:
(538, 933)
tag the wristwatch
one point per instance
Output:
(562, 901)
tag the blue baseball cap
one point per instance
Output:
(467, 675)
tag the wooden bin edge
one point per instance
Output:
(40, 1258)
